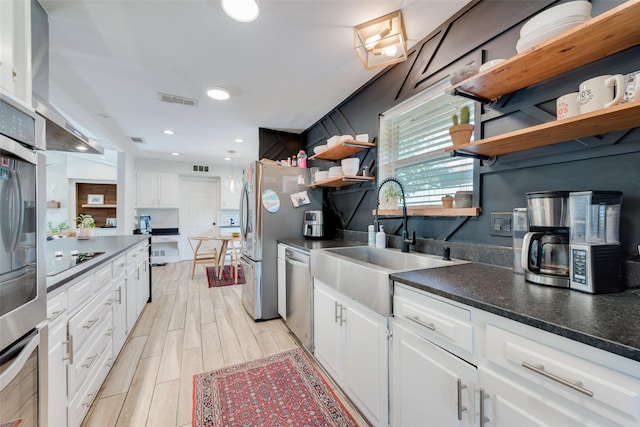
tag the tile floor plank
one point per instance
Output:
(136, 405)
(164, 405)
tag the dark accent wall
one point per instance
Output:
(484, 30)
(278, 145)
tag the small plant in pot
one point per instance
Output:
(84, 224)
(461, 130)
(391, 197)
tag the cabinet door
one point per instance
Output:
(130, 302)
(146, 189)
(327, 331)
(513, 402)
(57, 400)
(282, 293)
(425, 383)
(167, 190)
(119, 315)
(365, 358)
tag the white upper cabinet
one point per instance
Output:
(157, 190)
(15, 49)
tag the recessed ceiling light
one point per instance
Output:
(81, 148)
(239, 140)
(218, 93)
(241, 10)
(175, 154)
(169, 132)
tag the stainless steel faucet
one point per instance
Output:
(405, 233)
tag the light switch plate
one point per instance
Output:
(501, 224)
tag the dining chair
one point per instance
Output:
(233, 252)
(202, 255)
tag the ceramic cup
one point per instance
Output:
(568, 105)
(632, 86)
(601, 92)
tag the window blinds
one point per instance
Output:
(413, 137)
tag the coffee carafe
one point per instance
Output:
(545, 248)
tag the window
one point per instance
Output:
(413, 136)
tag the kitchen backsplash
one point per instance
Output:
(228, 217)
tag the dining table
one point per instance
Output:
(224, 239)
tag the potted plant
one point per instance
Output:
(390, 197)
(461, 130)
(84, 224)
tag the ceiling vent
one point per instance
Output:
(174, 99)
(137, 140)
(200, 168)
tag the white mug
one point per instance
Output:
(632, 86)
(568, 105)
(601, 92)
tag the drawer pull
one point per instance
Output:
(88, 402)
(56, 314)
(417, 320)
(335, 312)
(69, 344)
(90, 323)
(90, 360)
(461, 408)
(119, 291)
(343, 319)
(577, 386)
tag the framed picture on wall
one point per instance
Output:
(95, 199)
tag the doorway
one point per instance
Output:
(199, 202)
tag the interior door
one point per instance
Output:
(198, 210)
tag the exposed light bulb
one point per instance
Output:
(390, 51)
(371, 42)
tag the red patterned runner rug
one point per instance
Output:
(279, 390)
(227, 277)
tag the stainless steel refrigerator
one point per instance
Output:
(272, 206)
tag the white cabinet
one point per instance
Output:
(119, 289)
(165, 249)
(142, 285)
(282, 281)
(15, 49)
(351, 343)
(157, 190)
(429, 386)
(57, 311)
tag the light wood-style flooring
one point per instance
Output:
(187, 329)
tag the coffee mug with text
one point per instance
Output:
(568, 105)
(601, 92)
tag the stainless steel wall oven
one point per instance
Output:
(23, 330)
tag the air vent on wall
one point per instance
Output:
(174, 99)
(200, 168)
(137, 140)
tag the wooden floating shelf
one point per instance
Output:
(342, 150)
(611, 32)
(618, 117)
(342, 181)
(430, 211)
(99, 206)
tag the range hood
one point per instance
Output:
(62, 135)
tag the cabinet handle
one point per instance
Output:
(90, 323)
(88, 403)
(483, 419)
(119, 291)
(56, 314)
(461, 408)
(90, 359)
(69, 344)
(539, 369)
(335, 312)
(417, 320)
(342, 316)
(109, 302)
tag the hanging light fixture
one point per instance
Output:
(231, 183)
(381, 41)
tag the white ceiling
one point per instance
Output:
(285, 70)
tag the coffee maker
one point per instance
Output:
(595, 265)
(313, 226)
(545, 248)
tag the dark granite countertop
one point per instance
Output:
(112, 246)
(307, 244)
(610, 322)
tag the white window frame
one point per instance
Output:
(426, 147)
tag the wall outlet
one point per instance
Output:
(501, 224)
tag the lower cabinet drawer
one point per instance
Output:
(80, 403)
(81, 291)
(87, 320)
(434, 319)
(87, 358)
(589, 384)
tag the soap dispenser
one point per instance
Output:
(381, 239)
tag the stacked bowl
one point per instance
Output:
(335, 171)
(321, 176)
(350, 166)
(552, 22)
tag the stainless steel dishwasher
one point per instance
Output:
(299, 296)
